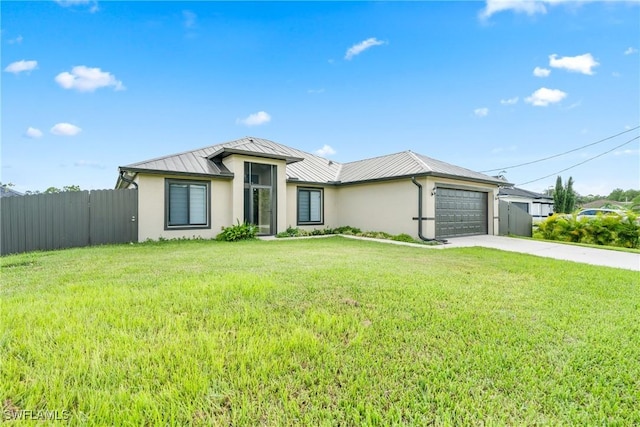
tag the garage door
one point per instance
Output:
(460, 212)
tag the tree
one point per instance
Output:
(55, 190)
(569, 197)
(564, 198)
(559, 196)
(617, 195)
(630, 194)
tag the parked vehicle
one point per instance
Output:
(593, 213)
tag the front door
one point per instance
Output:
(259, 196)
(261, 209)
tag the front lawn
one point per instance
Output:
(322, 331)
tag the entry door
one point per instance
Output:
(261, 209)
(259, 194)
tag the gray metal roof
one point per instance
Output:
(305, 167)
(520, 192)
(8, 192)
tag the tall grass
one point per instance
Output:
(327, 331)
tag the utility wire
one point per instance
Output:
(581, 163)
(561, 154)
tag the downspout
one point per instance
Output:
(127, 180)
(420, 235)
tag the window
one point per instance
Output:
(186, 204)
(310, 206)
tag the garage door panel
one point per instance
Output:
(460, 212)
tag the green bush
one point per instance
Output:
(606, 230)
(347, 229)
(238, 232)
(403, 238)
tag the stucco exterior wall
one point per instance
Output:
(380, 206)
(389, 206)
(330, 206)
(151, 208)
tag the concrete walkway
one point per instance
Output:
(604, 257)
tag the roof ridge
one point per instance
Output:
(338, 172)
(416, 157)
(376, 157)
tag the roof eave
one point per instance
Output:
(497, 183)
(227, 151)
(169, 172)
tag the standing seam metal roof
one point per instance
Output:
(312, 168)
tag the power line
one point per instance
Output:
(561, 154)
(581, 163)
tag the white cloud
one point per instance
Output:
(17, 40)
(357, 49)
(68, 3)
(577, 64)
(33, 133)
(616, 74)
(510, 101)
(85, 79)
(189, 18)
(20, 66)
(255, 119)
(481, 112)
(541, 72)
(627, 152)
(543, 97)
(630, 51)
(518, 6)
(321, 90)
(326, 150)
(65, 129)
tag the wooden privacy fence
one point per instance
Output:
(68, 219)
(514, 220)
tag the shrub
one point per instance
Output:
(289, 232)
(376, 235)
(238, 232)
(347, 229)
(403, 238)
(607, 230)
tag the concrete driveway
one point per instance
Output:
(548, 249)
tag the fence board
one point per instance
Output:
(113, 216)
(514, 220)
(68, 219)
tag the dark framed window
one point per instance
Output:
(187, 204)
(310, 206)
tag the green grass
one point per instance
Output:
(318, 332)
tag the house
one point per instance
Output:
(539, 206)
(8, 192)
(198, 192)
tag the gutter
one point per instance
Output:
(123, 176)
(420, 235)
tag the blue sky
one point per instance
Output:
(89, 86)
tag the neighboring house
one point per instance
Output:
(537, 205)
(8, 192)
(197, 193)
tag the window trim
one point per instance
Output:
(188, 182)
(310, 189)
